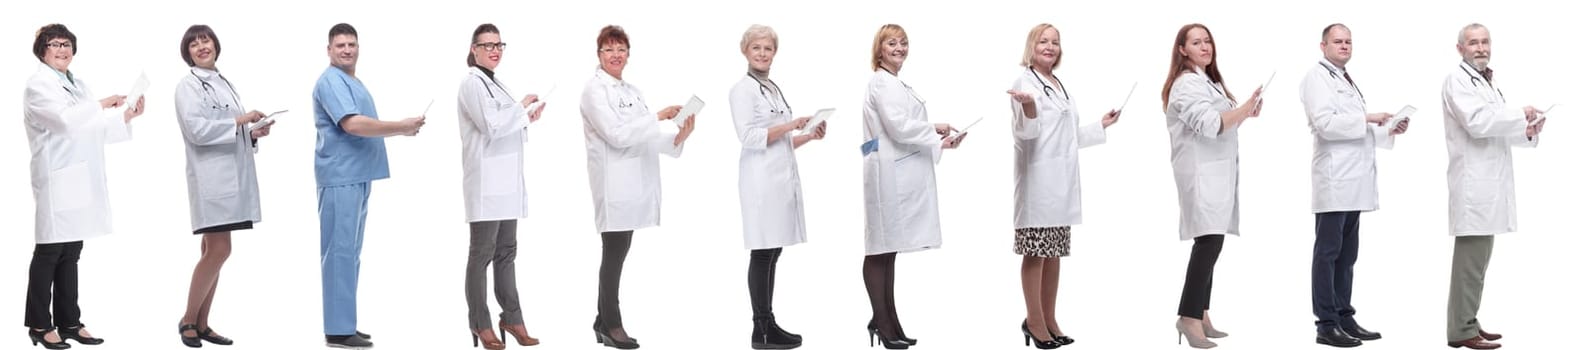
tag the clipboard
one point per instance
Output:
(1126, 97)
(815, 121)
(1404, 114)
(965, 130)
(1541, 115)
(268, 118)
(689, 110)
(1263, 96)
(139, 87)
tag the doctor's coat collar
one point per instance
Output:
(607, 78)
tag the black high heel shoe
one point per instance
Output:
(886, 343)
(191, 342)
(1060, 339)
(75, 333)
(1039, 344)
(901, 336)
(603, 336)
(38, 338)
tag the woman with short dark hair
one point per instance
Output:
(67, 131)
(222, 181)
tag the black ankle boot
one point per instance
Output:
(767, 335)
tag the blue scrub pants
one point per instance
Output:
(342, 212)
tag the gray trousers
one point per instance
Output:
(492, 242)
(1471, 255)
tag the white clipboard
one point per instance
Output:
(965, 130)
(819, 117)
(693, 107)
(1404, 114)
(139, 87)
(268, 118)
(1541, 115)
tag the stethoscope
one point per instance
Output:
(1047, 89)
(487, 86)
(764, 93)
(1475, 81)
(1335, 75)
(917, 97)
(211, 90)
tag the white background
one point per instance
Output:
(684, 286)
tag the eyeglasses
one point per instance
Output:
(60, 44)
(491, 46)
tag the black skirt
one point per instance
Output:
(236, 226)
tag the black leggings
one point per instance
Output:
(613, 252)
(1197, 296)
(762, 280)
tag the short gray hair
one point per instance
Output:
(1469, 27)
(756, 32)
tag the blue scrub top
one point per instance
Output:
(341, 158)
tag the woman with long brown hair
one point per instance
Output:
(1203, 126)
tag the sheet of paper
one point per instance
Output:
(693, 107)
(816, 120)
(1126, 97)
(139, 87)
(427, 108)
(268, 118)
(1404, 114)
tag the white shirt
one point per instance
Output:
(1046, 154)
(624, 144)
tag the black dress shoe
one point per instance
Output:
(1332, 336)
(1361, 333)
(76, 333)
(347, 342)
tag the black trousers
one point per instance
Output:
(762, 280)
(614, 251)
(1197, 297)
(53, 273)
(1333, 268)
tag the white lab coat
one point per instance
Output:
(1480, 129)
(769, 194)
(222, 182)
(1343, 161)
(900, 176)
(67, 133)
(1046, 155)
(624, 144)
(492, 124)
(1205, 158)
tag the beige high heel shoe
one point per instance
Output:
(1187, 329)
(1210, 331)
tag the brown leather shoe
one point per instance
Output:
(488, 338)
(518, 333)
(1489, 336)
(1475, 343)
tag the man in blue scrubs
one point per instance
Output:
(349, 154)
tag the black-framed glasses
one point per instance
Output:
(491, 46)
(60, 44)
